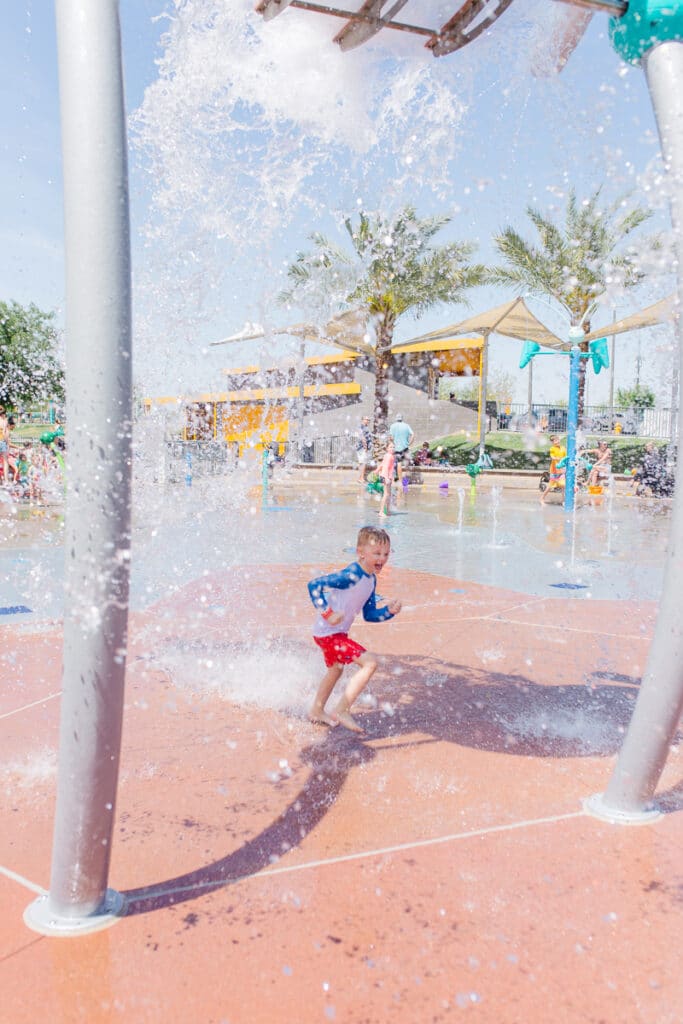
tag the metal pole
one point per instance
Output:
(572, 424)
(482, 394)
(660, 701)
(264, 475)
(99, 408)
(673, 416)
(302, 395)
(530, 392)
(611, 373)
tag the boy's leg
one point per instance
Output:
(327, 684)
(367, 664)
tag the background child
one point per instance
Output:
(339, 597)
(4, 445)
(386, 473)
(602, 467)
(364, 448)
(35, 475)
(556, 480)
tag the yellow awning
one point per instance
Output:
(445, 345)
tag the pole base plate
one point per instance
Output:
(40, 917)
(595, 806)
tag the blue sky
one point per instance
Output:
(257, 135)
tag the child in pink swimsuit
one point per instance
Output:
(386, 472)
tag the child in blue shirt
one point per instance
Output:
(339, 597)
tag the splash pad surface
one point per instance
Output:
(438, 863)
(612, 547)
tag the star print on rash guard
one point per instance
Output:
(350, 591)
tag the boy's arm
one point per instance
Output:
(371, 613)
(333, 581)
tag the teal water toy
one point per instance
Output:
(473, 469)
(50, 436)
(267, 462)
(375, 486)
(599, 356)
(49, 439)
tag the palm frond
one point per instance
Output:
(572, 263)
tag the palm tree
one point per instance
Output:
(574, 264)
(393, 268)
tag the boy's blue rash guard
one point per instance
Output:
(350, 591)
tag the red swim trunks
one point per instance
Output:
(339, 649)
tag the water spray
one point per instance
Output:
(99, 390)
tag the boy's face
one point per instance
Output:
(373, 556)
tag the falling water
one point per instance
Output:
(495, 503)
(461, 507)
(610, 515)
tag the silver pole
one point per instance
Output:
(482, 409)
(611, 372)
(99, 407)
(660, 701)
(530, 391)
(302, 396)
(673, 422)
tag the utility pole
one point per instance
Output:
(611, 371)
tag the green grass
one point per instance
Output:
(31, 431)
(508, 450)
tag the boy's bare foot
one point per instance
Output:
(321, 718)
(347, 720)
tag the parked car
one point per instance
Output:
(557, 420)
(523, 419)
(606, 423)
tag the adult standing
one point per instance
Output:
(363, 448)
(402, 436)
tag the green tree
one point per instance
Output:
(500, 387)
(636, 397)
(30, 370)
(394, 268)
(573, 263)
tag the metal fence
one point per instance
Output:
(340, 449)
(193, 459)
(596, 419)
(190, 459)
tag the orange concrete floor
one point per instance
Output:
(438, 867)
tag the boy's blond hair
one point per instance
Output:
(372, 535)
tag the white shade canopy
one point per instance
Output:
(512, 320)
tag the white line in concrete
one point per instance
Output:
(33, 704)
(416, 844)
(14, 877)
(577, 629)
(366, 854)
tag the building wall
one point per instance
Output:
(429, 418)
(274, 413)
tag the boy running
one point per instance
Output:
(339, 597)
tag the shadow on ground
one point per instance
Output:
(422, 699)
